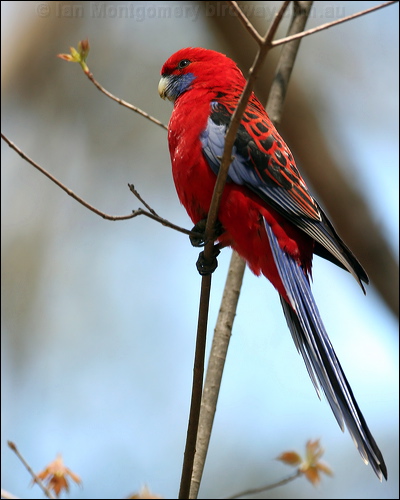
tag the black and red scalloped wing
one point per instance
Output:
(263, 163)
(273, 161)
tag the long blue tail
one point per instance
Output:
(322, 364)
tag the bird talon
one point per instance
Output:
(208, 266)
(198, 240)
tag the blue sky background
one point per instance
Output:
(99, 318)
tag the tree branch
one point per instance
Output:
(246, 22)
(45, 490)
(124, 103)
(190, 448)
(329, 25)
(230, 298)
(261, 489)
(151, 212)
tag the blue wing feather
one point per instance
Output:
(245, 170)
(322, 364)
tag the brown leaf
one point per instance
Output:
(310, 466)
(290, 458)
(312, 474)
(56, 475)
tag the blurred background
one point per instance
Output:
(99, 318)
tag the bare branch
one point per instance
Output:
(151, 213)
(190, 449)
(233, 128)
(61, 185)
(274, 107)
(45, 490)
(216, 364)
(329, 25)
(151, 210)
(197, 387)
(236, 270)
(254, 491)
(124, 103)
(246, 23)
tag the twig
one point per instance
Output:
(246, 22)
(190, 448)
(197, 387)
(254, 491)
(216, 364)
(329, 25)
(45, 490)
(124, 103)
(235, 275)
(233, 128)
(61, 185)
(151, 214)
(274, 107)
(151, 210)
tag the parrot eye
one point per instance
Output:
(182, 64)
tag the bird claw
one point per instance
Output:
(208, 266)
(198, 240)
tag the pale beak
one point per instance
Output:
(162, 87)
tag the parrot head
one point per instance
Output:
(196, 68)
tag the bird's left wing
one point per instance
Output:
(263, 163)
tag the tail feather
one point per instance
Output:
(322, 364)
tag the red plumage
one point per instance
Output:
(267, 213)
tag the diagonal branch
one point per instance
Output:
(234, 126)
(190, 448)
(236, 270)
(124, 103)
(151, 212)
(261, 489)
(35, 478)
(331, 24)
(246, 22)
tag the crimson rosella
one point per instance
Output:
(267, 213)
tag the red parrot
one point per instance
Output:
(267, 213)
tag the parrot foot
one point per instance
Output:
(198, 240)
(208, 266)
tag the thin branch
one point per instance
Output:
(246, 22)
(254, 491)
(124, 103)
(236, 270)
(136, 193)
(61, 185)
(197, 387)
(163, 222)
(45, 490)
(216, 364)
(233, 128)
(190, 448)
(151, 213)
(276, 98)
(329, 25)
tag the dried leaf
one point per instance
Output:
(290, 458)
(56, 475)
(310, 466)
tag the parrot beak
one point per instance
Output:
(163, 87)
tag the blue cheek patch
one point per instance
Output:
(179, 84)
